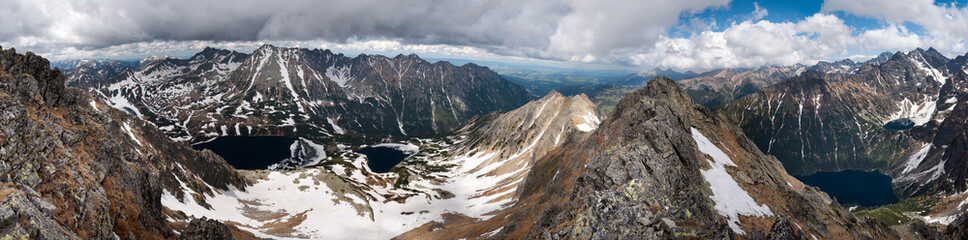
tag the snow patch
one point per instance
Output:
(951, 100)
(131, 134)
(916, 159)
(336, 128)
(122, 104)
(590, 123)
(919, 113)
(947, 219)
(302, 153)
(930, 71)
(730, 199)
(405, 148)
(339, 75)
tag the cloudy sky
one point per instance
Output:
(681, 34)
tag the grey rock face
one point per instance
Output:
(830, 122)
(782, 229)
(71, 167)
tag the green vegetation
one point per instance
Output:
(404, 178)
(894, 214)
(540, 82)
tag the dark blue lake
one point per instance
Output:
(899, 124)
(382, 159)
(250, 152)
(854, 187)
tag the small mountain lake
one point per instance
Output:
(381, 158)
(899, 124)
(854, 187)
(250, 152)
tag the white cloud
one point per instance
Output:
(751, 44)
(890, 37)
(945, 25)
(583, 30)
(602, 28)
(758, 12)
(634, 32)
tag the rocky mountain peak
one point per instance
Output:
(660, 88)
(49, 83)
(883, 57)
(210, 53)
(898, 55)
(407, 56)
(553, 93)
(959, 63)
(265, 47)
(153, 58)
(932, 57)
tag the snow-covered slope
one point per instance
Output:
(473, 175)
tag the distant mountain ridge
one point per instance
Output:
(286, 91)
(846, 66)
(643, 77)
(830, 121)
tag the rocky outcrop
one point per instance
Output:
(205, 229)
(71, 167)
(956, 230)
(781, 229)
(660, 167)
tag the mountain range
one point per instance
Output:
(304, 93)
(102, 163)
(829, 122)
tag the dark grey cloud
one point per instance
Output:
(554, 29)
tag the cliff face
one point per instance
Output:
(660, 167)
(72, 167)
(819, 121)
(830, 122)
